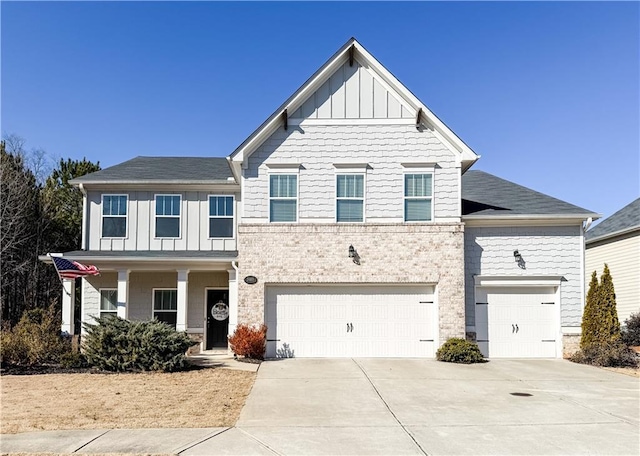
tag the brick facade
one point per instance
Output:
(390, 254)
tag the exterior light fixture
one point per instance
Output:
(517, 255)
(519, 260)
(353, 254)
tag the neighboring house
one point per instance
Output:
(616, 242)
(348, 223)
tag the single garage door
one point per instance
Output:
(516, 322)
(350, 321)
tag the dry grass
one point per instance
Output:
(201, 398)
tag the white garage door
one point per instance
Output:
(350, 321)
(516, 322)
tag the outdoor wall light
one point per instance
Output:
(519, 260)
(353, 254)
(517, 255)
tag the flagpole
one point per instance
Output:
(59, 276)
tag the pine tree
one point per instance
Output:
(591, 317)
(609, 323)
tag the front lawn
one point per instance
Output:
(196, 398)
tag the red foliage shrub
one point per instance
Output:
(249, 342)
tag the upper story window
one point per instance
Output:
(418, 197)
(220, 216)
(168, 216)
(283, 197)
(108, 301)
(114, 216)
(350, 198)
(165, 306)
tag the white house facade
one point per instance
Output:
(349, 223)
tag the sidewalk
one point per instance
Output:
(204, 441)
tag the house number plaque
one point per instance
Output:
(251, 280)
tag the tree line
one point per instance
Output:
(40, 212)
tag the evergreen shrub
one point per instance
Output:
(631, 330)
(115, 344)
(249, 342)
(458, 350)
(35, 339)
(607, 354)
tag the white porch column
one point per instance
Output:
(233, 300)
(68, 304)
(183, 300)
(123, 293)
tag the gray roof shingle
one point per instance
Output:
(486, 195)
(626, 219)
(163, 170)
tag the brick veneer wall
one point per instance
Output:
(390, 254)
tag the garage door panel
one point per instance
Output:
(517, 322)
(360, 321)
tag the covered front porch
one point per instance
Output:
(195, 292)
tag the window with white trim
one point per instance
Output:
(349, 198)
(108, 301)
(168, 216)
(114, 216)
(165, 305)
(418, 197)
(221, 216)
(283, 197)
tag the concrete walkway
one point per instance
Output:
(393, 406)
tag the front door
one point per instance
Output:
(217, 318)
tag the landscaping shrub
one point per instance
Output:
(459, 351)
(115, 344)
(73, 360)
(631, 330)
(35, 339)
(606, 354)
(249, 342)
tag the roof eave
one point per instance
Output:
(604, 237)
(77, 182)
(580, 217)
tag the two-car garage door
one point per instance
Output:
(350, 321)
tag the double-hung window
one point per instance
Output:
(418, 197)
(168, 216)
(350, 198)
(220, 216)
(108, 302)
(283, 197)
(114, 216)
(165, 306)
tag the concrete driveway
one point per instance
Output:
(394, 406)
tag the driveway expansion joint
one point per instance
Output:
(406, 431)
(260, 442)
(188, 446)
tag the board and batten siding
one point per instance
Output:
(383, 147)
(353, 92)
(622, 254)
(546, 250)
(194, 223)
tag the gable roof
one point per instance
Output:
(163, 170)
(487, 196)
(359, 53)
(625, 220)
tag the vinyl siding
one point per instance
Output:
(622, 254)
(384, 147)
(140, 235)
(546, 251)
(353, 92)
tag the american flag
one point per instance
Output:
(68, 269)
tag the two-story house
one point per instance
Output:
(348, 222)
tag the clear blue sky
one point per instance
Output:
(547, 93)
